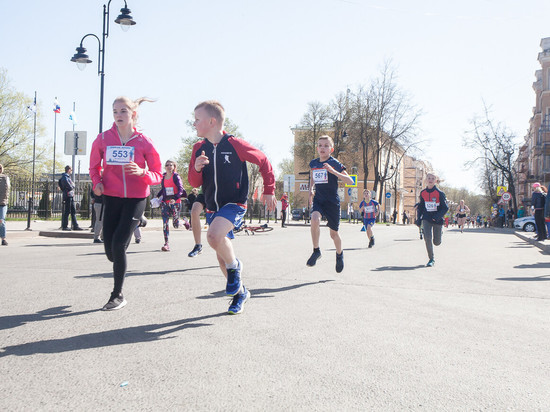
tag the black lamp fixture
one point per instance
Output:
(82, 59)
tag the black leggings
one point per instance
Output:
(121, 217)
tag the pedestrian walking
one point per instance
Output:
(123, 164)
(323, 196)
(284, 207)
(431, 209)
(97, 204)
(218, 164)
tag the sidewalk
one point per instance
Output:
(52, 228)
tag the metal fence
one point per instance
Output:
(47, 202)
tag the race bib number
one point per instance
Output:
(369, 209)
(431, 206)
(119, 155)
(169, 191)
(320, 176)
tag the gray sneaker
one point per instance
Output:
(115, 302)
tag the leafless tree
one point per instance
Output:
(315, 123)
(495, 150)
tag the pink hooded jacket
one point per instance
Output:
(116, 182)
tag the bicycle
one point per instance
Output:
(253, 229)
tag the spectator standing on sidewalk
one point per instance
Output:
(67, 187)
(97, 204)
(538, 201)
(4, 198)
(284, 208)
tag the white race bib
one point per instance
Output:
(369, 209)
(320, 176)
(431, 206)
(119, 155)
(169, 191)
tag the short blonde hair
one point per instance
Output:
(214, 109)
(325, 137)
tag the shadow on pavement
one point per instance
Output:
(397, 268)
(135, 273)
(123, 336)
(540, 265)
(255, 292)
(8, 322)
(530, 279)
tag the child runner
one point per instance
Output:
(431, 209)
(119, 160)
(369, 210)
(196, 209)
(325, 172)
(218, 163)
(170, 193)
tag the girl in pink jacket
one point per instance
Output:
(123, 163)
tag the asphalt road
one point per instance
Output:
(472, 333)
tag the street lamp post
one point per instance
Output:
(81, 58)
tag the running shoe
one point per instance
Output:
(4, 242)
(138, 240)
(339, 262)
(116, 301)
(234, 284)
(371, 242)
(430, 263)
(196, 250)
(187, 225)
(313, 258)
(98, 241)
(165, 248)
(237, 304)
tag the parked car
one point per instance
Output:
(526, 223)
(297, 214)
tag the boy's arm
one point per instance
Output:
(193, 177)
(343, 175)
(249, 153)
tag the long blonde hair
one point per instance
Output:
(133, 104)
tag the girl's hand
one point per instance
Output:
(133, 169)
(98, 190)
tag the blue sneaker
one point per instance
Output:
(234, 284)
(430, 263)
(237, 304)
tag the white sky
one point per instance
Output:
(266, 60)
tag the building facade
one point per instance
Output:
(533, 162)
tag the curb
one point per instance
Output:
(544, 247)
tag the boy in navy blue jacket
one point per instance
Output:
(431, 211)
(325, 172)
(218, 164)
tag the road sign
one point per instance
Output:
(304, 187)
(354, 177)
(388, 195)
(289, 181)
(501, 190)
(506, 196)
(74, 139)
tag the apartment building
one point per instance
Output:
(533, 162)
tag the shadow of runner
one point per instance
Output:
(135, 273)
(8, 322)
(540, 265)
(124, 336)
(530, 279)
(255, 292)
(397, 268)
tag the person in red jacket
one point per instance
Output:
(284, 207)
(123, 163)
(218, 164)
